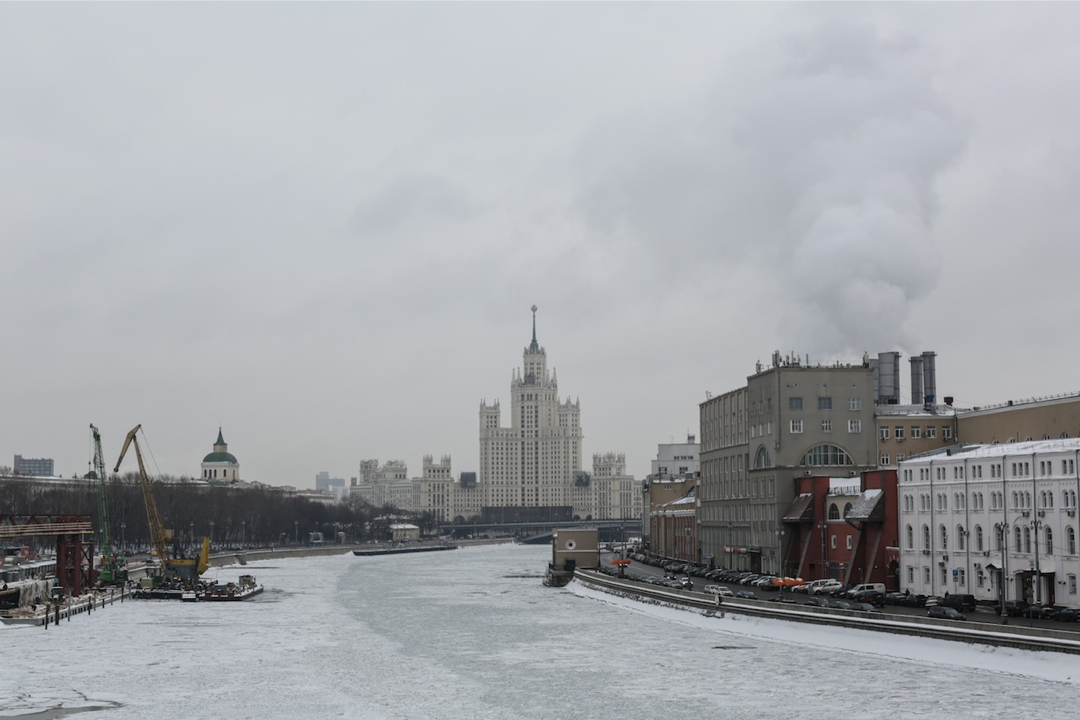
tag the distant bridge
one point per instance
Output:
(539, 533)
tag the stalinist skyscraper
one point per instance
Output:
(536, 461)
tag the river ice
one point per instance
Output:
(473, 634)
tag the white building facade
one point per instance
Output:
(995, 521)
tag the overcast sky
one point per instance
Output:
(321, 226)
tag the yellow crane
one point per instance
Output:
(173, 564)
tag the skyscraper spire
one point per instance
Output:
(534, 347)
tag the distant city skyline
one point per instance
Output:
(321, 227)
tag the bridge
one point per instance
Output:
(539, 533)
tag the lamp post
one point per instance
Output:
(780, 551)
(243, 533)
(191, 531)
(296, 532)
(1038, 575)
(1002, 529)
(123, 532)
(211, 533)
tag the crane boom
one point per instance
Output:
(158, 536)
(112, 567)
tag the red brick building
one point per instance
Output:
(843, 528)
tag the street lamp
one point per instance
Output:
(243, 533)
(780, 551)
(211, 532)
(1002, 529)
(123, 532)
(296, 532)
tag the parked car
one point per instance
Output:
(1040, 611)
(865, 607)
(841, 605)
(913, 600)
(1013, 608)
(1067, 615)
(871, 597)
(746, 595)
(894, 598)
(719, 590)
(963, 603)
(945, 613)
(878, 587)
(826, 588)
(817, 601)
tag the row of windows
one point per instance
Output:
(916, 432)
(853, 426)
(1017, 469)
(1021, 499)
(1019, 534)
(961, 577)
(795, 402)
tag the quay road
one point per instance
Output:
(982, 614)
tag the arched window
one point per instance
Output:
(761, 460)
(1049, 499)
(1049, 541)
(824, 455)
(959, 538)
(1017, 537)
(911, 538)
(834, 512)
(1070, 538)
(978, 538)
(944, 537)
(847, 509)
(926, 537)
(1027, 540)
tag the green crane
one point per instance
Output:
(113, 568)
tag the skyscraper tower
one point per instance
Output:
(532, 462)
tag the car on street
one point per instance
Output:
(959, 601)
(865, 607)
(817, 602)
(872, 597)
(826, 588)
(719, 590)
(1068, 614)
(1013, 608)
(1039, 611)
(746, 595)
(945, 613)
(841, 605)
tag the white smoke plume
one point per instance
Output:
(807, 174)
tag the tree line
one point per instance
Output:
(230, 517)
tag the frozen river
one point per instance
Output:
(473, 634)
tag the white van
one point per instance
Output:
(865, 587)
(719, 590)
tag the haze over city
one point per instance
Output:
(321, 227)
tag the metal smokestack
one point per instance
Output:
(929, 365)
(916, 380)
(888, 378)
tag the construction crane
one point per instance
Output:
(113, 568)
(174, 566)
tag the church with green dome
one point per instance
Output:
(221, 465)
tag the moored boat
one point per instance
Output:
(244, 588)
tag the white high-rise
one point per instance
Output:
(534, 462)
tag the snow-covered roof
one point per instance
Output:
(1031, 447)
(913, 410)
(869, 506)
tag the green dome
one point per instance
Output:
(221, 457)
